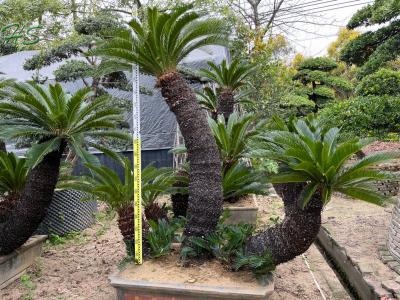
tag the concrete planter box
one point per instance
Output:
(14, 264)
(242, 213)
(128, 289)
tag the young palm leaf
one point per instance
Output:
(13, 173)
(232, 137)
(158, 46)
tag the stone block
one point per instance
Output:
(387, 258)
(391, 285)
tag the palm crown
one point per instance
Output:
(117, 192)
(226, 75)
(313, 155)
(159, 44)
(53, 117)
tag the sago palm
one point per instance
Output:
(233, 137)
(313, 165)
(56, 120)
(158, 46)
(229, 78)
(118, 193)
(13, 172)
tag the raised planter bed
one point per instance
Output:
(164, 279)
(243, 211)
(14, 264)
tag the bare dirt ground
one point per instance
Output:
(78, 267)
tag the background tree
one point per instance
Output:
(318, 83)
(374, 112)
(373, 49)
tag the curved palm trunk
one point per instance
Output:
(205, 192)
(226, 103)
(297, 231)
(31, 208)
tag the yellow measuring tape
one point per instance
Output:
(137, 200)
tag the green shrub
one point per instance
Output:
(364, 116)
(383, 82)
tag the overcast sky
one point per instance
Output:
(317, 41)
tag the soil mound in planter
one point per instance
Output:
(167, 269)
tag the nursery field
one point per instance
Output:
(78, 266)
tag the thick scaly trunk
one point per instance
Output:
(297, 231)
(127, 229)
(7, 204)
(226, 103)
(205, 192)
(32, 206)
(3, 146)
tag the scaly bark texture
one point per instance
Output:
(3, 146)
(7, 204)
(205, 191)
(226, 103)
(297, 231)
(32, 205)
(126, 226)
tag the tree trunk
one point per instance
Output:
(205, 191)
(126, 226)
(297, 231)
(32, 206)
(226, 103)
(3, 146)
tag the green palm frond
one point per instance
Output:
(208, 99)
(226, 75)
(51, 115)
(240, 180)
(314, 155)
(232, 138)
(13, 172)
(119, 192)
(160, 43)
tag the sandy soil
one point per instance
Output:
(360, 227)
(79, 268)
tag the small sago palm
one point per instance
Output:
(233, 137)
(313, 165)
(13, 172)
(56, 120)
(158, 46)
(118, 193)
(107, 186)
(229, 78)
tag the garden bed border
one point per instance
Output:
(360, 277)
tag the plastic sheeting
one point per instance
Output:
(158, 124)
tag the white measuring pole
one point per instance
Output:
(137, 164)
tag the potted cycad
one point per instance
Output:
(311, 160)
